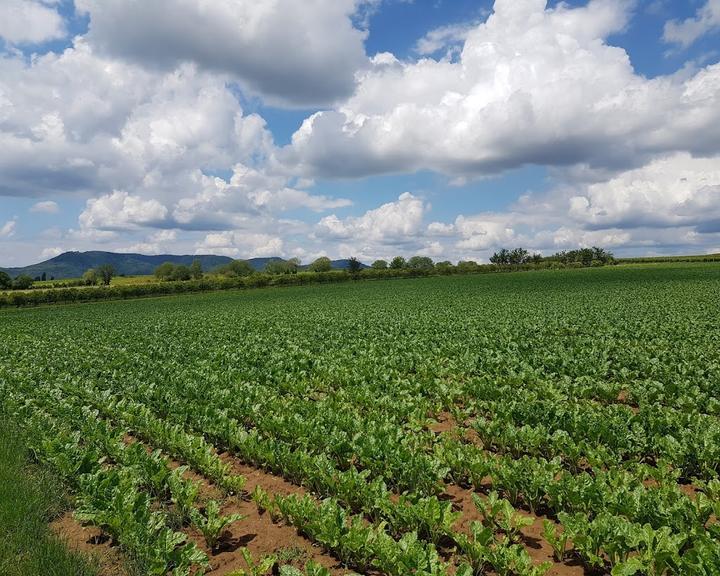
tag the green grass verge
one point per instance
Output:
(29, 498)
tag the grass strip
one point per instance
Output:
(30, 497)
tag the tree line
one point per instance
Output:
(594, 256)
(322, 270)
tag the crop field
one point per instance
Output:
(555, 422)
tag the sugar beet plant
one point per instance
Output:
(589, 397)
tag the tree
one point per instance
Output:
(23, 282)
(165, 271)
(420, 263)
(467, 266)
(196, 269)
(283, 266)
(398, 263)
(5, 281)
(586, 256)
(90, 277)
(444, 266)
(43, 277)
(602, 255)
(181, 272)
(106, 273)
(322, 264)
(354, 266)
(518, 256)
(502, 256)
(236, 268)
(379, 265)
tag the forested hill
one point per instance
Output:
(74, 264)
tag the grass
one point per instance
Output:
(29, 498)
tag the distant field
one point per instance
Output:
(660, 259)
(456, 425)
(133, 280)
(116, 281)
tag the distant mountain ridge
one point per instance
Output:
(74, 264)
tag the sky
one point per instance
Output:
(367, 128)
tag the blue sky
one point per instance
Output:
(447, 128)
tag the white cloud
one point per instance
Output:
(80, 123)
(248, 192)
(147, 127)
(156, 243)
(47, 207)
(291, 52)
(531, 86)
(483, 232)
(241, 244)
(7, 230)
(393, 221)
(50, 252)
(686, 32)
(440, 229)
(446, 38)
(673, 191)
(29, 22)
(394, 228)
(162, 236)
(120, 210)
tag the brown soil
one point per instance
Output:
(262, 537)
(257, 477)
(539, 549)
(90, 541)
(444, 422)
(256, 531)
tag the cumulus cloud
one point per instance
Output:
(241, 244)
(50, 252)
(391, 222)
(248, 192)
(291, 52)
(77, 122)
(29, 22)
(142, 118)
(532, 85)
(141, 144)
(678, 190)
(483, 232)
(8, 229)
(390, 229)
(673, 202)
(446, 39)
(47, 207)
(686, 32)
(59, 114)
(120, 210)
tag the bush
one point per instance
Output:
(5, 281)
(322, 264)
(420, 263)
(23, 282)
(398, 263)
(235, 269)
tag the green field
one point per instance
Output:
(564, 420)
(30, 497)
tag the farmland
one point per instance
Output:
(560, 422)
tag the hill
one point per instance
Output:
(74, 264)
